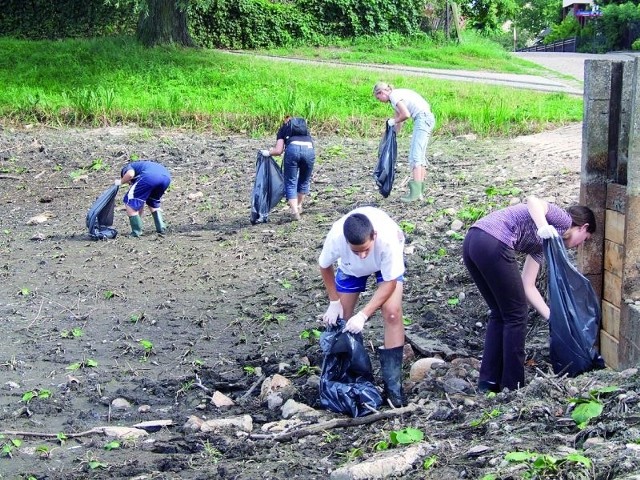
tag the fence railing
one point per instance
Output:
(567, 45)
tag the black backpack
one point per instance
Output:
(298, 127)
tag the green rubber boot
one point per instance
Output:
(158, 220)
(136, 225)
(415, 192)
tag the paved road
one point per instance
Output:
(566, 64)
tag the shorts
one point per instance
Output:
(350, 284)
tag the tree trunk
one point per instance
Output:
(164, 23)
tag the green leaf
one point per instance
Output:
(429, 462)
(519, 456)
(584, 412)
(74, 366)
(406, 436)
(112, 445)
(94, 464)
(90, 363)
(28, 396)
(577, 458)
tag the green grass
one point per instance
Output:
(475, 52)
(114, 80)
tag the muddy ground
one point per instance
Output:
(222, 305)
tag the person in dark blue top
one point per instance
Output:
(149, 180)
(294, 140)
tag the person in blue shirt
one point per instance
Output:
(149, 181)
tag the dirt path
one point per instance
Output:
(114, 333)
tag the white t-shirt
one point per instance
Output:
(414, 102)
(385, 256)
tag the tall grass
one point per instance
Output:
(108, 81)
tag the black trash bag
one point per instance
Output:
(268, 189)
(346, 382)
(574, 322)
(100, 215)
(385, 171)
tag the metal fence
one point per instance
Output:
(567, 45)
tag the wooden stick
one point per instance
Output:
(335, 423)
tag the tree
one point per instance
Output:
(164, 22)
(535, 15)
(488, 16)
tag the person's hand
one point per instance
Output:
(547, 231)
(265, 153)
(334, 311)
(391, 122)
(355, 323)
(117, 182)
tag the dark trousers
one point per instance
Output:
(495, 270)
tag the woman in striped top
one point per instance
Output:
(489, 253)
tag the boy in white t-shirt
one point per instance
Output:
(367, 241)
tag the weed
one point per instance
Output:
(406, 321)
(148, 349)
(279, 318)
(88, 363)
(588, 408)
(429, 462)
(307, 370)
(211, 453)
(24, 291)
(112, 445)
(108, 295)
(61, 437)
(136, 317)
(407, 227)
(469, 214)
(453, 301)
(40, 394)
(486, 416)
(249, 369)
(406, 436)
(98, 165)
(541, 465)
(75, 332)
(286, 284)
(456, 235)
(311, 334)
(351, 454)
(43, 451)
(329, 437)
(9, 445)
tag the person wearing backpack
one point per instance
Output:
(294, 140)
(149, 180)
(409, 104)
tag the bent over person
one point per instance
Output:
(367, 241)
(149, 180)
(489, 253)
(293, 138)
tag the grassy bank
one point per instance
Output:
(109, 81)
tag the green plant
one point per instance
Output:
(9, 445)
(307, 370)
(312, 335)
(351, 454)
(407, 227)
(147, 346)
(112, 445)
(87, 363)
(406, 436)
(41, 394)
(210, 452)
(453, 301)
(541, 465)
(44, 451)
(486, 416)
(75, 332)
(270, 317)
(286, 284)
(24, 291)
(61, 437)
(587, 408)
(429, 462)
(249, 369)
(136, 317)
(108, 295)
(470, 214)
(329, 437)
(406, 321)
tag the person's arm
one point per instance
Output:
(278, 149)
(529, 275)
(538, 210)
(381, 295)
(329, 279)
(402, 113)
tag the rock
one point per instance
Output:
(120, 404)
(274, 401)
(291, 408)
(11, 385)
(195, 196)
(389, 464)
(456, 225)
(40, 218)
(276, 383)
(420, 368)
(193, 423)
(124, 432)
(243, 423)
(220, 400)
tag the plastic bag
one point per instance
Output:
(100, 215)
(346, 382)
(268, 189)
(385, 171)
(574, 322)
